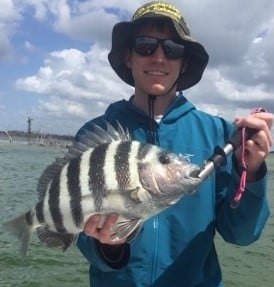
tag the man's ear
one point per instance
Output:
(128, 59)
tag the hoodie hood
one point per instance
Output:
(137, 121)
(177, 109)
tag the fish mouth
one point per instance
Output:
(194, 173)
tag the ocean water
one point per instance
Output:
(20, 167)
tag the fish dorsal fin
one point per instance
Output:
(90, 139)
(97, 135)
(120, 132)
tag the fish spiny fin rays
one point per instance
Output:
(98, 135)
(53, 239)
(123, 133)
(128, 228)
(92, 138)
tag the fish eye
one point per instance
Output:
(164, 159)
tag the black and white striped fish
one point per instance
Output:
(105, 172)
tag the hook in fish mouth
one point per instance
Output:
(195, 173)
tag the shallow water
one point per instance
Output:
(20, 167)
(251, 266)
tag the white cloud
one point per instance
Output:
(74, 74)
(94, 26)
(55, 108)
(9, 11)
(74, 84)
(235, 91)
(9, 16)
(38, 8)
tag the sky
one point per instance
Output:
(54, 67)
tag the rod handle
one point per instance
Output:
(236, 139)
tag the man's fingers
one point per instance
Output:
(92, 225)
(258, 121)
(106, 230)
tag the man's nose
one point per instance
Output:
(159, 53)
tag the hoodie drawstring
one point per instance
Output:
(151, 101)
(152, 131)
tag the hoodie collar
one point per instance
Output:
(177, 109)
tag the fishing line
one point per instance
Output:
(243, 167)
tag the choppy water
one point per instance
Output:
(20, 167)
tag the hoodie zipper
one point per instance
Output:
(154, 265)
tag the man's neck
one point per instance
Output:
(161, 103)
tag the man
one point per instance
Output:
(156, 54)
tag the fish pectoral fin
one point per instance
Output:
(54, 239)
(128, 228)
(135, 195)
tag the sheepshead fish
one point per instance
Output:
(104, 172)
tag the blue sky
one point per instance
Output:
(54, 68)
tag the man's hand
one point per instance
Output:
(258, 147)
(100, 228)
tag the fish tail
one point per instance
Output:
(22, 229)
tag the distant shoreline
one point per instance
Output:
(52, 140)
(41, 139)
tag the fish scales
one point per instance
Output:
(111, 182)
(39, 212)
(133, 162)
(144, 151)
(127, 173)
(105, 172)
(64, 206)
(74, 188)
(84, 173)
(122, 166)
(47, 210)
(87, 200)
(54, 203)
(97, 175)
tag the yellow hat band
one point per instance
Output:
(158, 8)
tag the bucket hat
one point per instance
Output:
(196, 55)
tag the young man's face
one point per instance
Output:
(154, 74)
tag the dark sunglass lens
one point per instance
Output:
(173, 50)
(145, 46)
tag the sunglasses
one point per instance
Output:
(147, 46)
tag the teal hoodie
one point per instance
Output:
(176, 247)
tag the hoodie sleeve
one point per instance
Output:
(244, 224)
(103, 257)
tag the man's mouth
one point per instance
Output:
(155, 73)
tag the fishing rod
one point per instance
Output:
(219, 157)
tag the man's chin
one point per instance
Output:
(157, 90)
